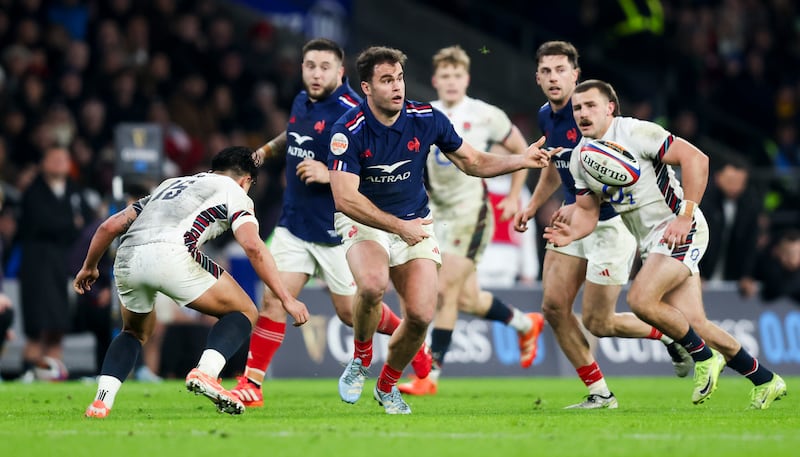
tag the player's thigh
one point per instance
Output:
(332, 267)
(291, 253)
(467, 234)
(659, 274)
(415, 282)
(141, 325)
(367, 253)
(454, 272)
(688, 298)
(343, 305)
(599, 301)
(562, 277)
(224, 297)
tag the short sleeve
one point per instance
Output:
(343, 150)
(240, 208)
(499, 124)
(447, 139)
(649, 139)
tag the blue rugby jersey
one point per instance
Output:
(391, 160)
(308, 208)
(560, 129)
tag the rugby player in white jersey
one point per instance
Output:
(662, 214)
(160, 252)
(463, 218)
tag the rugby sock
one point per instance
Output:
(520, 322)
(264, 343)
(389, 321)
(363, 351)
(388, 378)
(655, 334)
(107, 388)
(696, 346)
(121, 356)
(224, 339)
(593, 378)
(499, 311)
(440, 343)
(749, 367)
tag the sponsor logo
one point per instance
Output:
(294, 151)
(292, 120)
(300, 139)
(467, 126)
(390, 168)
(339, 143)
(388, 178)
(319, 126)
(603, 170)
(413, 145)
(352, 232)
(366, 154)
(605, 273)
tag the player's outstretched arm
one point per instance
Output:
(264, 265)
(488, 165)
(103, 237)
(509, 205)
(272, 147)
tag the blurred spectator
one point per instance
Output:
(52, 214)
(6, 307)
(779, 269)
(732, 210)
(189, 107)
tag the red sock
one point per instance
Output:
(655, 334)
(389, 321)
(388, 378)
(590, 374)
(264, 342)
(363, 351)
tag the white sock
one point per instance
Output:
(666, 340)
(211, 363)
(599, 388)
(435, 373)
(520, 321)
(107, 388)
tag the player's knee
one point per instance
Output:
(371, 293)
(345, 315)
(554, 311)
(598, 326)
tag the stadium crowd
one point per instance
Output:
(71, 70)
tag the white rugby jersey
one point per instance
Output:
(479, 124)
(656, 196)
(190, 210)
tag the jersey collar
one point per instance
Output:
(379, 128)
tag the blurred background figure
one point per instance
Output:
(53, 212)
(732, 209)
(779, 269)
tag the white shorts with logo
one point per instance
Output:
(328, 262)
(142, 271)
(689, 253)
(398, 250)
(466, 235)
(609, 252)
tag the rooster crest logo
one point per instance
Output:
(413, 145)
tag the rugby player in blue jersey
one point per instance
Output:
(378, 153)
(600, 262)
(304, 243)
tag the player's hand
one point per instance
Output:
(537, 157)
(412, 232)
(521, 219)
(563, 214)
(310, 170)
(296, 309)
(507, 206)
(560, 234)
(84, 279)
(258, 156)
(676, 232)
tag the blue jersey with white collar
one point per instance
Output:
(308, 208)
(391, 160)
(560, 130)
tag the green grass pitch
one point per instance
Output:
(469, 417)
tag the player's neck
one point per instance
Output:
(386, 118)
(451, 103)
(557, 106)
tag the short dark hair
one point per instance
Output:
(237, 160)
(558, 48)
(604, 88)
(324, 44)
(376, 55)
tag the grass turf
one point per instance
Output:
(469, 417)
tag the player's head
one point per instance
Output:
(323, 67)
(382, 80)
(236, 162)
(594, 105)
(451, 74)
(557, 71)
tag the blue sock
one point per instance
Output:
(440, 342)
(749, 367)
(499, 312)
(695, 346)
(228, 334)
(121, 356)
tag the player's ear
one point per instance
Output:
(365, 87)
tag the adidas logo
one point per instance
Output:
(605, 273)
